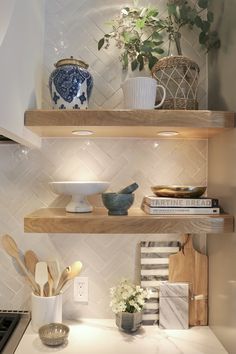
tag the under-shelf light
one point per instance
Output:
(168, 133)
(82, 132)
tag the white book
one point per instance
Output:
(154, 201)
(179, 211)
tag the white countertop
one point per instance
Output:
(92, 336)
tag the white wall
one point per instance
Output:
(222, 179)
(21, 51)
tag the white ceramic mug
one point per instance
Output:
(45, 310)
(140, 93)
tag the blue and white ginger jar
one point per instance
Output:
(70, 84)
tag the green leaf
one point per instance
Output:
(171, 9)
(210, 16)
(101, 43)
(148, 42)
(192, 15)
(125, 60)
(146, 46)
(184, 11)
(203, 4)
(217, 44)
(129, 37)
(214, 41)
(152, 13)
(152, 61)
(141, 62)
(157, 43)
(205, 26)
(203, 38)
(140, 23)
(134, 64)
(158, 50)
(156, 35)
(198, 22)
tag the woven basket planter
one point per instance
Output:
(179, 75)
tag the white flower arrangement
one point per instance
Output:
(127, 297)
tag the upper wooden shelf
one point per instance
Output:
(129, 123)
(57, 220)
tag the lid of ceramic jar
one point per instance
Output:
(71, 61)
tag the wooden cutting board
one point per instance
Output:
(190, 266)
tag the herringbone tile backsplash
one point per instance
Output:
(24, 188)
(73, 28)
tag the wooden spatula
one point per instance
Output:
(31, 260)
(41, 275)
(12, 250)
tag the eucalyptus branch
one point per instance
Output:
(138, 31)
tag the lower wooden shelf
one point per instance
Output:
(57, 220)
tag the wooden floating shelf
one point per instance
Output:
(57, 220)
(129, 123)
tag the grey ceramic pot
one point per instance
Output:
(117, 204)
(129, 322)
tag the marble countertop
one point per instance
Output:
(95, 336)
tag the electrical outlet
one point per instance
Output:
(81, 289)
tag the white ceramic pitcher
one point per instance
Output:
(140, 93)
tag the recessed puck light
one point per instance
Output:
(82, 132)
(168, 133)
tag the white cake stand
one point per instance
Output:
(79, 190)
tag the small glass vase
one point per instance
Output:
(129, 322)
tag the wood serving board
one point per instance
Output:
(190, 266)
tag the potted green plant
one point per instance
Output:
(127, 301)
(139, 31)
(177, 73)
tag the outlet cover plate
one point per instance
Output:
(81, 289)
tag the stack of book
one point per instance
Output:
(168, 206)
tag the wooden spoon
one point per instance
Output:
(50, 283)
(31, 260)
(41, 275)
(54, 270)
(12, 250)
(68, 273)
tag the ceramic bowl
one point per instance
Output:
(54, 334)
(178, 191)
(117, 204)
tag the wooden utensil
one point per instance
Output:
(31, 260)
(68, 273)
(54, 270)
(50, 283)
(190, 266)
(12, 250)
(41, 275)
